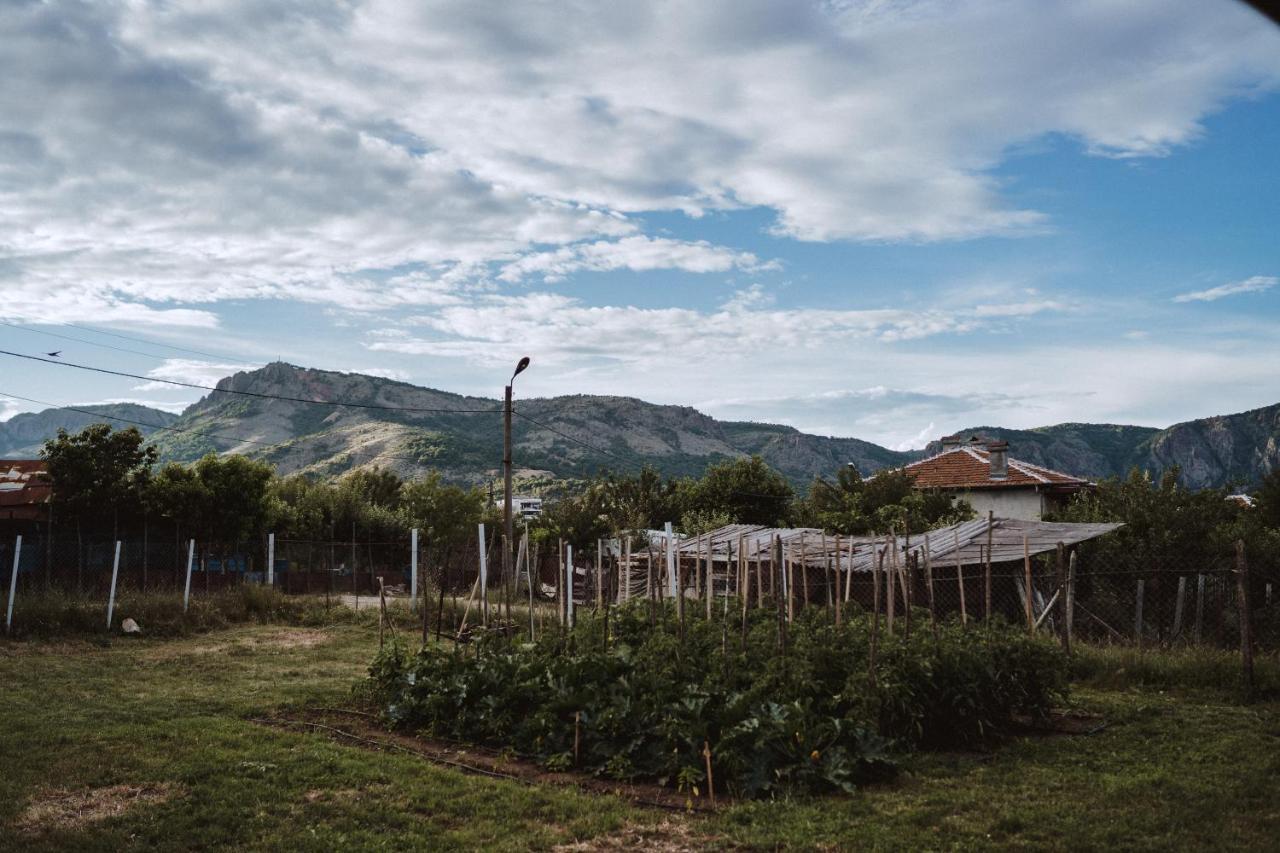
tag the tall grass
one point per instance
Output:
(55, 613)
(1184, 667)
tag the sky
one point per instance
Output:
(879, 219)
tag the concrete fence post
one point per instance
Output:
(186, 590)
(13, 584)
(413, 566)
(271, 559)
(115, 574)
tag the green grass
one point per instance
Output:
(1185, 770)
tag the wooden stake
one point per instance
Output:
(1137, 614)
(599, 575)
(711, 576)
(804, 572)
(1026, 566)
(876, 569)
(889, 589)
(1199, 607)
(837, 579)
(711, 782)
(1246, 626)
(1071, 600)
(964, 612)
(577, 736)
(13, 585)
(987, 577)
(928, 577)
(1179, 601)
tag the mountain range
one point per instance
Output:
(414, 430)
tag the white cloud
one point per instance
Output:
(159, 154)
(192, 371)
(1254, 284)
(637, 253)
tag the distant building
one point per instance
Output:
(24, 490)
(522, 507)
(980, 472)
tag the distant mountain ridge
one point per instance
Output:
(23, 435)
(413, 430)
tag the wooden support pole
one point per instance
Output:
(1246, 618)
(1026, 566)
(1179, 602)
(1070, 616)
(413, 566)
(1061, 566)
(986, 613)
(890, 587)
(1199, 608)
(848, 583)
(624, 571)
(599, 575)
(484, 578)
(964, 612)
(568, 586)
(711, 782)
(928, 579)
(838, 574)
(711, 576)
(1137, 613)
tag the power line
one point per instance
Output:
(157, 344)
(77, 340)
(255, 394)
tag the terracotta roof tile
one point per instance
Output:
(21, 484)
(970, 468)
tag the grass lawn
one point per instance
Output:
(159, 731)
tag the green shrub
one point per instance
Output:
(810, 720)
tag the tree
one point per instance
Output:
(746, 490)
(98, 469)
(1268, 499)
(235, 488)
(375, 487)
(445, 513)
(888, 500)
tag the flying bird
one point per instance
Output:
(54, 354)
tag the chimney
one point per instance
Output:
(998, 452)
(950, 442)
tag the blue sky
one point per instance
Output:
(887, 220)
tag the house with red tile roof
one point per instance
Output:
(981, 472)
(24, 490)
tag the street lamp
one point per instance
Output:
(507, 529)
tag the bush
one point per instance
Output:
(810, 720)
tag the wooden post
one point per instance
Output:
(1061, 567)
(1246, 627)
(711, 576)
(889, 589)
(568, 586)
(186, 589)
(778, 569)
(1026, 566)
(599, 575)
(1178, 602)
(964, 612)
(848, 583)
(625, 569)
(382, 613)
(484, 578)
(115, 573)
(671, 567)
(837, 595)
(413, 566)
(876, 568)
(1199, 607)
(804, 572)
(13, 586)
(987, 575)
(928, 579)
(1071, 601)
(711, 782)
(1137, 613)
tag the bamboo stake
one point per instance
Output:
(711, 783)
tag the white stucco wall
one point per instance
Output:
(1024, 504)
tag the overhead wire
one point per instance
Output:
(243, 393)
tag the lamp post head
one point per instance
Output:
(520, 366)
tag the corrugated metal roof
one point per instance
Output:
(965, 542)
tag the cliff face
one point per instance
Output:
(413, 430)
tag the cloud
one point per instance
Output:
(1254, 284)
(156, 157)
(192, 371)
(638, 254)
